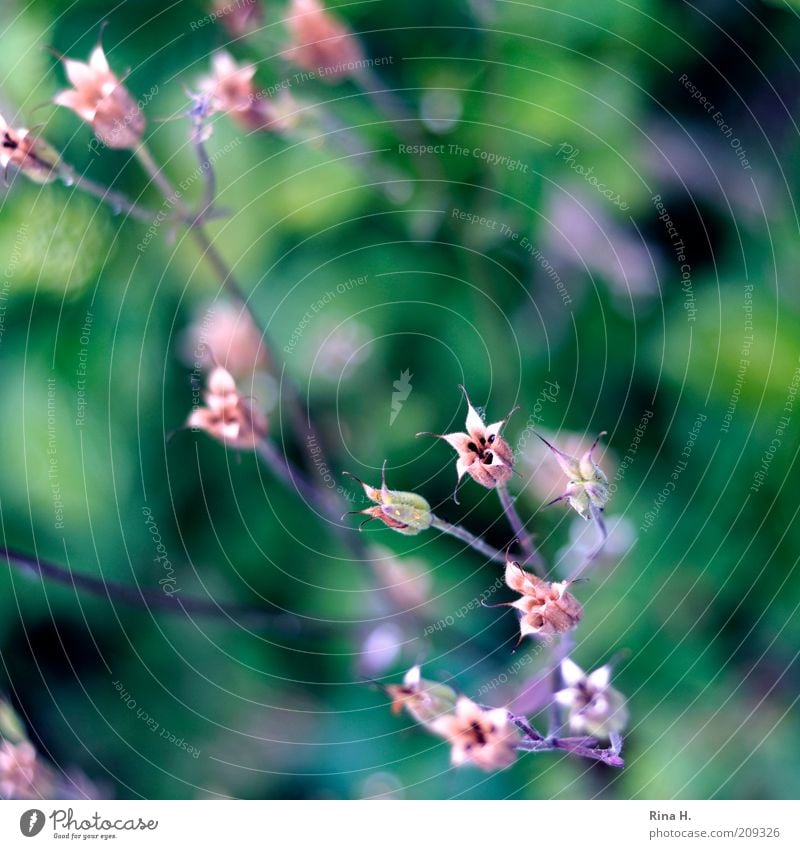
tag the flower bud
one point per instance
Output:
(594, 706)
(228, 416)
(32, 156)
(99, 98)
(425, 700)
(482, 453)
(404, 512)
(587, 491)
(320, 43)
(485, 738)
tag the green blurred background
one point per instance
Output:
(701, 597)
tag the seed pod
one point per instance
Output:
(404, 512)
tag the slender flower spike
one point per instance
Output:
(594, 706)
(587, 490)
(485, 738)
(228, 416)
(35, 158)
(483, 454)
(18, 771)
(102, 101)
(547, 607)
(404, 512)
(425, 700)
(321, 43)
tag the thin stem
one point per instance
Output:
(116, 200)
(600, 524)
(532, 556)
(469, 538)
(558, 652)
(138, 597)
(146, 160)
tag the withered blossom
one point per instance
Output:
(547, 607)
(320, 42)
(404, 512)
(483, 454)
(226, 335)
(227, 415)
(19, 771)
(230, 89)
(587, 490)
(27, 153)
(425, 700)
(100, 99)
(239, 17)
(594, 706)
(485, 738)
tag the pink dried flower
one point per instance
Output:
(485, 738)
(239, 17)
(483, 454)
(230, 89)
(594, 706)
(29, 154)
(18, 771)
(547, 607)
(228, 416)
(321, 43)
(100, 99)
(425, 700)
(225, 335)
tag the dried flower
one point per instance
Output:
(404, 512)
(587, 490)
(228, 416)
(425, 700)
(34, 157)
(595, 707)
(239, 17)
(486, 738)
(482, 453)
(230, 89)
(547, 607)
(321, 43)
(101, 100)
(226, 335)
(18, 771)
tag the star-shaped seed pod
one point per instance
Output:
(227, 415)
(230, 89)
(547, 607)
(27, 153)
(486, 738)
(587, 491)
(425, 700)
(483, 454)
(100, 99)
(404, 512)
(320, 42)
(593, 705)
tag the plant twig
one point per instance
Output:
(532, 556)
(469, 538)
(33, 566)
